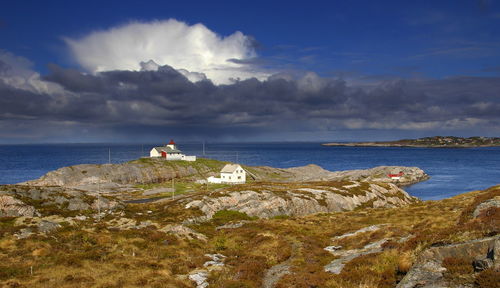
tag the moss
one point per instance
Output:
(224, 216)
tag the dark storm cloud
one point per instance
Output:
(142, 102)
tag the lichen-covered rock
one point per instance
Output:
(110, 176)
(30, 201)
(12, 207)
(495, 202)
(113, 177)
(77, 204)
(267, 201)
(101, 203)
(428, 270)
(183, 232)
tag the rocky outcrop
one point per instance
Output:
(346, 256)
(297, 199)
(32, 201)
(112, 177)
(200, 276)
(494, 202)
(428, 270)
(12, 207)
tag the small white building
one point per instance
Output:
(170, 152)
(231, 174)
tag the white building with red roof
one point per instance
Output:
(170, 152)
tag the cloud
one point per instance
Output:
(159, 100)
(189, 48)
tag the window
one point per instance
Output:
(239, 177)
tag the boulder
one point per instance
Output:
(77, 204)
(494, 202)
(428, 271)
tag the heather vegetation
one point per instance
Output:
(166, 243)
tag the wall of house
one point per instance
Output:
(215, 180)
(154, 153)
(188, 158)
(235, 177)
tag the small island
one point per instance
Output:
(429, 142)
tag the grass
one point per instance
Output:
(92, 255)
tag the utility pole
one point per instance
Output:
(203, 147)
(173, 188)
(109, 155)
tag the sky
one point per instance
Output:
(149, 71)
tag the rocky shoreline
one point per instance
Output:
(428, 142)
(295, 227)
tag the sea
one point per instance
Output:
(453, 170)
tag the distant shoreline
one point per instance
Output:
(428, 142)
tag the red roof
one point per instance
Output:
(395, 175)
(171, 142)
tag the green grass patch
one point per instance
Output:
(224, 216)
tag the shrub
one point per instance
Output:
(488, 279)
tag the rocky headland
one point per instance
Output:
(294, 227)
(109, 177)
(429, 142)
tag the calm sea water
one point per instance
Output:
(452, 171)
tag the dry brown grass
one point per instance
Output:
(90, 255)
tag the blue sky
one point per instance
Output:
(432, 38)
(359, 47)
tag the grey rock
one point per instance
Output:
(183, 232)
(346, 256)
(60, 200)
(495, 202)
(266, 203)
(217, 260)
(75, 204)
(232, 225)
(24, 233)
(428, 271)
(200, 278)
(12, 207)
(275, 273)
(362, 230)
(35, 194)
(102, 203)
(47, 226)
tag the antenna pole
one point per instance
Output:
(173, 188)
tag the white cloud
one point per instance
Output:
(191, 49)
(16, 71)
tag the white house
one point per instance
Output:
(231, 173)
(170, 152)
